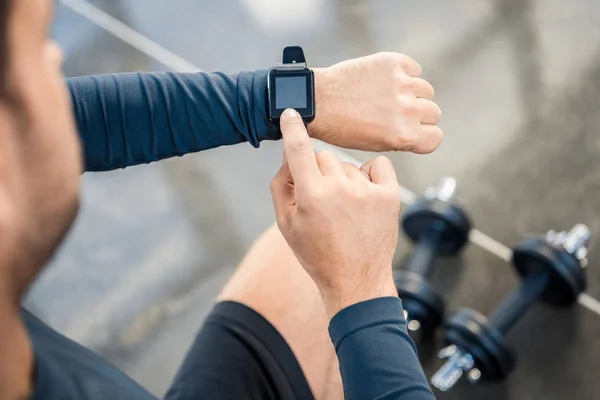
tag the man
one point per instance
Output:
(267, 337)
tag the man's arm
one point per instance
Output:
(378, 360)
(375, 103)
(129, 119)
(342, 224)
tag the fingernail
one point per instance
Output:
(290, 113)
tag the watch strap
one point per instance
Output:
(294, 55)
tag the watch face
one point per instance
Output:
(291, 89)
(290, 92)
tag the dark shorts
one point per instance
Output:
(236, 355)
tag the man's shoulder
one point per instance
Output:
(65, 369)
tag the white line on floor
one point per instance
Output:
(176, 63)
(130, 36)
(589, 302)
(490, 244)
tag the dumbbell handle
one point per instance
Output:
(518, 303)
(423, 257)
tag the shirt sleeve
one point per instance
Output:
(378, 360)
(135, 118)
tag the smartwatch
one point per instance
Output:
(291, 85)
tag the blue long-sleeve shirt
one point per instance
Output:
(129, 119)
(136, 118)
(378, 360)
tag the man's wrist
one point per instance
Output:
(322, 100)
(337, 300)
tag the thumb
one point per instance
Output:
(381, 171)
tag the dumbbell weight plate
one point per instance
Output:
(567, 278)
(451, 219)
(469, 331)
(419, 300)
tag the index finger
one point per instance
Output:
(411, 67)
(298, 147)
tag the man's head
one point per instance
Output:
(40, 158)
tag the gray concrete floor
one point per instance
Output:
(518, 82)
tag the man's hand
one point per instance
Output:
(376, 103)
(340, 221)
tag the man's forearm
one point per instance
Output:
(128, 119)
(373, 103)
(378, 360)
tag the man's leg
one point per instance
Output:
(272, 282)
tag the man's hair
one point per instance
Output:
(4, 56)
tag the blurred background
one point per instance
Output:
(518, 82)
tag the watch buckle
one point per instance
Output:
(292, 67)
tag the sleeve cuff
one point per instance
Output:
(265, 129)
(380, 311)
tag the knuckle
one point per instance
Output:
(403, 81)
(414, 65)
(392, 60)
(361, 194)
(395, 57)
(342, 188)
(315, 196)
(337, 187)
(395, 139)
(387, 55)
(403, 139)
(408, 106)
(399, 132)
(411, 63)
(403, 61)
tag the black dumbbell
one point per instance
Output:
(438, 226)
(552, 269)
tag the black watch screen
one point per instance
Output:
(291, 85)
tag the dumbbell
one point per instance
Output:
(438, 226)
(552, 269)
